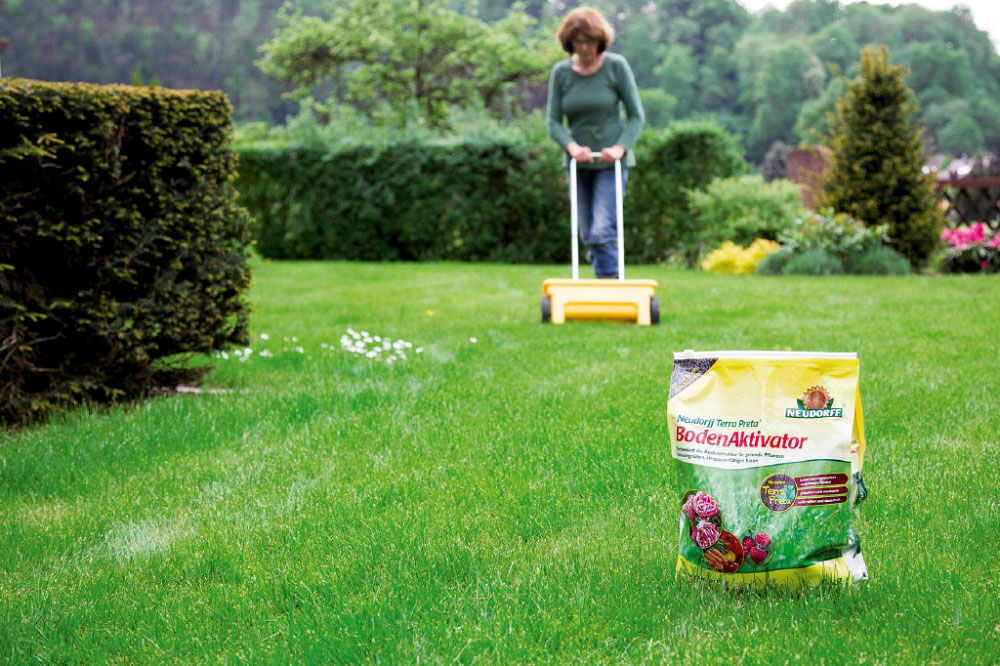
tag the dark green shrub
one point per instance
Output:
(686, 156)
(876, 174)
(877, 260)
(121, 244)
(774, 263)
(813, 262)
(408, 201)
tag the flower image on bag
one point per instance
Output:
(768, 448)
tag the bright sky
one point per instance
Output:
(985, 13)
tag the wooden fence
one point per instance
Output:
(971, 200)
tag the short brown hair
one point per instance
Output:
(586, 23)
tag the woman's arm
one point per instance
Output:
(557, 130)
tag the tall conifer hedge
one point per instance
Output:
(121, 243)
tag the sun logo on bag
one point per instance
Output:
(816, 397)
(815, 403)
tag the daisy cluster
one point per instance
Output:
(246, 353)
(375, 347)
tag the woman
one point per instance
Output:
(588, 89)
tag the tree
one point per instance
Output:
(780, 90)
(961, 135)
(876, 173)
(678, 73)
(408, 56)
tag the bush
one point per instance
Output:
(121, 243)
(411, 201)
(774, 263)
(877, 260)
(835, 233)
(744, 208)
(732, 258)
(973, 248)
(813, 262)
(686, 156)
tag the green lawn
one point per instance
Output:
(508, 500)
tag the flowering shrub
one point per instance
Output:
(970, 249)
(732, 258)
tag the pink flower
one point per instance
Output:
(763, 540)
(985, 264)
(688, 507)
(705, 505)
(705, 534)
(995, 241)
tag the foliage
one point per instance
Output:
(813, 262)
(712, 56)
(391, 59)
(194, 44)
(686, 156)
(732, 258)
(444, 200)
(877, 260)
(835, 233)
(121, 244)
(876, 172)
(743, 208)
(971, 248)
(785, 77)
(658, 106)
(774, 263)
(961, 135)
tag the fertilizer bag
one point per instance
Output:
(768, 448)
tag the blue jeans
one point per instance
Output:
(597, 217)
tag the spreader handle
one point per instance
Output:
(619, 214)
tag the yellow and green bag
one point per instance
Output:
(768, 448)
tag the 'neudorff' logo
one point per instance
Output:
(815, 403)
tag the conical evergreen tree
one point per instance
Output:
(877, 170)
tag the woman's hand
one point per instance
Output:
(612, 153)
(578, 152)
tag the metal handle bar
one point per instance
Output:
(619, 213)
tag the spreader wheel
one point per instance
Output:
(654, 310)
(546, 309)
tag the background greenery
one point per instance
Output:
(765, 77)
(508, 499)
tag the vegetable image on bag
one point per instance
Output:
(769, 448)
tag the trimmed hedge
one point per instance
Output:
(406, 201)
(489, 201)
(121, 243)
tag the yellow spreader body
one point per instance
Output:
(626, 300)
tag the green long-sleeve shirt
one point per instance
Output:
(591, 106)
